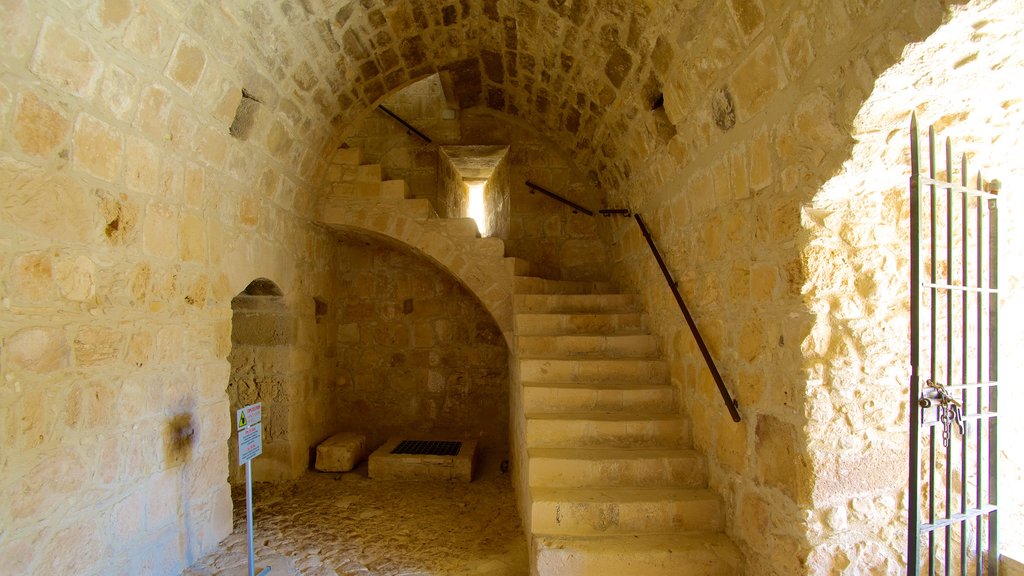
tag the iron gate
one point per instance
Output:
(953, 394)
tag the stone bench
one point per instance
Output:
(341, 452)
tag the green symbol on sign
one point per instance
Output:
(241, 419)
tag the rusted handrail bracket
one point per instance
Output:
(410, 127)
(575, 207)
(729, 402)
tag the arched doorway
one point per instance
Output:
(262, 332)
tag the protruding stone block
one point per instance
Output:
(341, 452)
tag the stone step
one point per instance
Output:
(624, 510)
(544, 397)
(491, 248)
(608, 430)
(651, 371)
(591, 467)
(588, 346)
(573, 303)
(456, 227)
(517, 266)
(348, 157)
(368, 173)
(418, 208)
(392, 190)
(674, 554)
(534, 285)
(553, 324)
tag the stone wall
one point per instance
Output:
(417, 354)
(453, 194)
(129, 218)
(799, 286)
(498, 199)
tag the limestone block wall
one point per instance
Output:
(417, 353)
(453, 195)
(497, 199)
(129, 217)
(809, 332)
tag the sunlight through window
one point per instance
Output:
(475, 209)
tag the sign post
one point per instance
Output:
(250, 445)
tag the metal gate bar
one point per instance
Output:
(939, 393)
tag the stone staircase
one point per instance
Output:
(356, 197)
(614, 484)
(608, 480)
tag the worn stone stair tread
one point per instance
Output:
(623, 509)
(517, 266)
(591, 323)
(573, 303)
(601, 385)
(606, 453)
(610, 494)
(606, 416)
(418, 208)
(597, 396)
(490, 247)
(537, 285)
(648, 554)
(594, 369)
(602, 466)
(610, 346)
(457, 227)
(617, 429)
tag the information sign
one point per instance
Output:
(250, 443)
(250, 432)
(249, 415)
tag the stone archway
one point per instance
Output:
(262, 334)
(417, 352)
(960, 78)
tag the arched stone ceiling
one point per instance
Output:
(583, 71)
(586, 73)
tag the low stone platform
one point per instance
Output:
(341, 452)
(385, 464)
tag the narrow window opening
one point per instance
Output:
(476, 208)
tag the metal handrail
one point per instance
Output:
(575, 207)
(410, 127)
(730, 403)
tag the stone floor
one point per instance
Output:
(328, 524)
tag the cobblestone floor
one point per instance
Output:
(351, 525)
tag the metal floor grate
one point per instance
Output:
(428, 447)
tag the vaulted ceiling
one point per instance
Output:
(589, 74)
